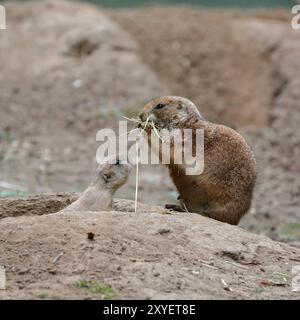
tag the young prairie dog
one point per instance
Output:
(223, 191)
(99, 195)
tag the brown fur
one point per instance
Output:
(224, 190)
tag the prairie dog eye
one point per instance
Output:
(160, 106)
(108, 176)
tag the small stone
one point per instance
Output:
(163, 231)
(90, 236)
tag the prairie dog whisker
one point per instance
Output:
(131, 119)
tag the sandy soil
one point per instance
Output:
(149, 255)
(70, 69)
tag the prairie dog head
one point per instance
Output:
(113, 175)
(169, 112)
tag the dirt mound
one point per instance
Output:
(50, 203)
(149, 255)
(36, 205)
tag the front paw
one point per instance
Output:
(174, 207)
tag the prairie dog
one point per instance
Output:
(223, 191)
(99, 195)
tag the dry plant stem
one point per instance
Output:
(55, 260)
(146, 123)
(155, 130)
(137, 151)
(137, 167)
(136, 176)
(185, 208)
(137, 156)
(126, 133)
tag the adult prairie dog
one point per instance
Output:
(223, 191)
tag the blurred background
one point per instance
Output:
(71, 68)
(206, 3)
